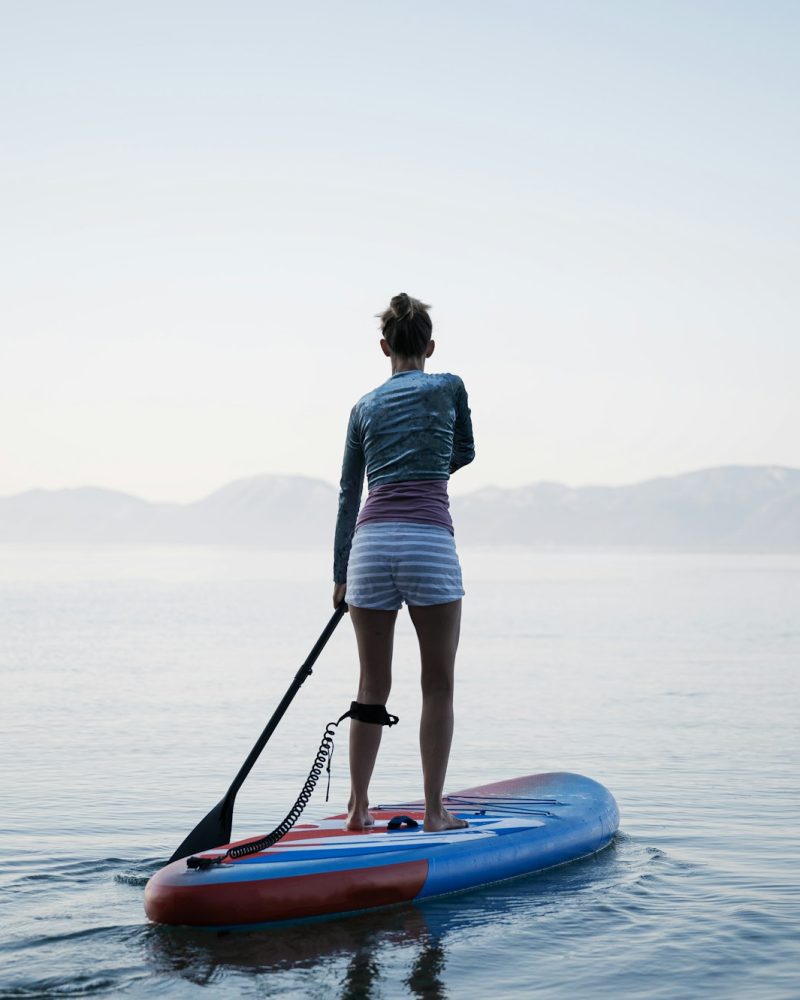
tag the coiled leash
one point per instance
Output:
(374, 714)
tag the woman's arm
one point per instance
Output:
(463, 441)
(350, 488)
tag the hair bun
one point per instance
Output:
(406, 326)
(402, 306)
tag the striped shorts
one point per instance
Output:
(393, 561)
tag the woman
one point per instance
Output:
(408, 435)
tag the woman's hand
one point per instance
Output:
(339, 590)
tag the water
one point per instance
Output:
(135, 681)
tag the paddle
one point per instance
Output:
(215, 828)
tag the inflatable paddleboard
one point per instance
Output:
(516, 827)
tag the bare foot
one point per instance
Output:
(359, 819)
(436, 822)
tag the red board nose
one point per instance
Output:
(280, 898)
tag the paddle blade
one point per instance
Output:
(212, 831)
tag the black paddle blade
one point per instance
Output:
(213, 831)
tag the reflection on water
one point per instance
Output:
(356, 943)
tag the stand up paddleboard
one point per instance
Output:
(516, 827)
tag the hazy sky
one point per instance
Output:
(204, 204)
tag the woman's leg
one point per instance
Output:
(438, 628)
(375, 638)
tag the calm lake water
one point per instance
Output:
(135, 681)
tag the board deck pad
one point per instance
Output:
(516, 827)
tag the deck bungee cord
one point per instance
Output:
(481, 805)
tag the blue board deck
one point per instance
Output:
(516, 827)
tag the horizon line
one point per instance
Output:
(774, 467)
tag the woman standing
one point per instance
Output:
(408, 435)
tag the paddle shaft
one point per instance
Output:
(299, 678)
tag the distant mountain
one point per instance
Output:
(734, 508)
(276, 511)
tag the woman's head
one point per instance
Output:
(406, 326)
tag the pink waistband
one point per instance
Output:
(418, 501)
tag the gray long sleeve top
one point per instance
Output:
(414, 426)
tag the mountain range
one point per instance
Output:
(732, 508)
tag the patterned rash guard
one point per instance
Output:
(412, 427)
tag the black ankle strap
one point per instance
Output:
(376, 714)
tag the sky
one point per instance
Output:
(204, 205)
